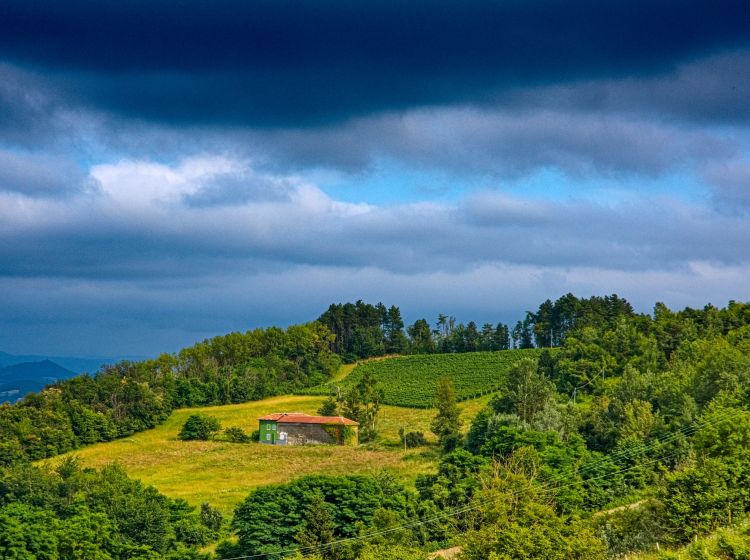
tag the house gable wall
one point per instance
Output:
(299, 434)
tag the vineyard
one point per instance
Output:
(411, 380)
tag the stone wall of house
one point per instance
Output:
(299, 434)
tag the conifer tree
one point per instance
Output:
(319, 527)
(446, 425)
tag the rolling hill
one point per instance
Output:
(222, 473)
(410, 381)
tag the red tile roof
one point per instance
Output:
(276, 415)
(300, 418)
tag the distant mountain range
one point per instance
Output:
(20, 375)
(19, 379)
(77, 365)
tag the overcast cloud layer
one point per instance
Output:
(175, 171)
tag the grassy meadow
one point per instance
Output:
(223, 473)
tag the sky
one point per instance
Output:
(171, 171)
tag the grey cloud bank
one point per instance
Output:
(144, 222)
(135, 251)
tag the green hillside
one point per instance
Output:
(222, 473)
(411, 380)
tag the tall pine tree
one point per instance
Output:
(446, 425)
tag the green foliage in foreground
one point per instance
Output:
(725, 544)
(412, 380)
(516, 523)
(279, 517)
(99, 515)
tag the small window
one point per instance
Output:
(268, 436)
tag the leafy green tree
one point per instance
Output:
(717, 366)
(515, 523)
(87, 535)
(447, 422)
(699, 499)
(28, 532)
(638, 420)
(362, 404)
(631, 529)
(472, 337)
(284, 507)
(456, 480)
(527, 391)
(583, 362)
(358, 329)
(199, 426)
(77, 513)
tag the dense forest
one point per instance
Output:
(363, 330)
(633, 434)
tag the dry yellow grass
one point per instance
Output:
(392, 418)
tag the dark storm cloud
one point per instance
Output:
(27, 112)
(278, 63)
(708, 90)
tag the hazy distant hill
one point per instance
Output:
(77, 365)
(16, 380)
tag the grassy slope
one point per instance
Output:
(223, 473)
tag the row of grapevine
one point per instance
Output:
(411, 380)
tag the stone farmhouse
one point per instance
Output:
(296, 428)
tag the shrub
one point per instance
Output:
(237, 435)
(199, 426)
(211, 517)
(412, 439)
(192, 533)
